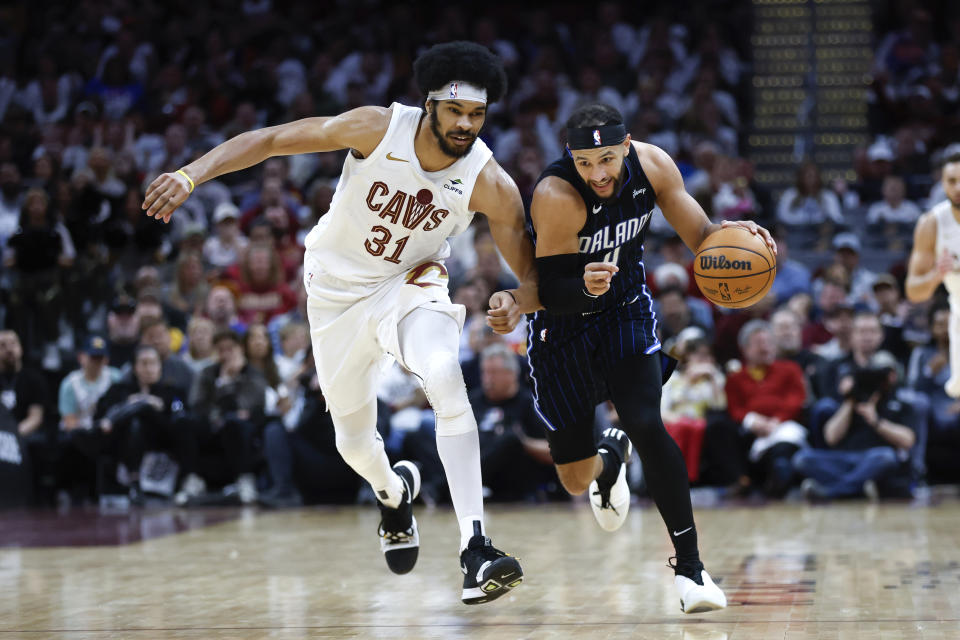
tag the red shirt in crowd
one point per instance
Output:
(776, 392)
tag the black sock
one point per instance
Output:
(611, 466)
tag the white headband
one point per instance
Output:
(459, 90)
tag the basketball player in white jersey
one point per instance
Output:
(936, 258)
(377, 285)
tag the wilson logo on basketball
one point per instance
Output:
(721, 262)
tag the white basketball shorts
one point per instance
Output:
(353, 327)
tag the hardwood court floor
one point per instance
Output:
(791, 572)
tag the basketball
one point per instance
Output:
(734, 268)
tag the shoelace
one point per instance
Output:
(488, 551)
(605, 500)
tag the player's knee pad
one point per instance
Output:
(443, 384)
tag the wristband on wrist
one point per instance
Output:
(192, 186)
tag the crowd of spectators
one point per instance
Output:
(174, 360)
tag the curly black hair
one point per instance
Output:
(595, 114)
(461, 60)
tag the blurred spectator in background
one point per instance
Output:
(294, 338)
(892, 310)
(671, 275)
(225, 248)
(808, 204)
(866, 336)
(175, 371)
(928, 373)
(867, 439)
(137, 414)
(787, 332)
(221, 309)
(82, 388)
(514, 455)
(199, 353)
(847, 254)
(35, 254)
(123, 330)
(263, 293)
(229, 401)
(23, 395)
(696, 388)
(23, 390)
(189, 289)
(838, 326)
(764, 401)
(894, 216)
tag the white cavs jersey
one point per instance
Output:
(948, 239)
(388, 215)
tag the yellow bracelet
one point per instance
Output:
(192, 186)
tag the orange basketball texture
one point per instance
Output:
(734, 268)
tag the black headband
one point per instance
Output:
(593, 137)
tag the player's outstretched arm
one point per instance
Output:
(496, 195)
(679, 208)
(925, 271)
(360, 129)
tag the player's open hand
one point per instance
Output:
(597, 276)
(754, 228)
(504, 312)
(165, 194)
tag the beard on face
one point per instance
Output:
(617, 182)
(445, 146)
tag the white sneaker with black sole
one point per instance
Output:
(488, 573)
(399, 537)
(610, 496)
(697, 591)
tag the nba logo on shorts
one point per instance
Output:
(453, 90)
(596, 137)
(543, 335)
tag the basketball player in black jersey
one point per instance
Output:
(597, 338)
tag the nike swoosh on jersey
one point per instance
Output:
(390, 157)
(597, 208)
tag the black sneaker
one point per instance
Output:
(488, 572)
(610, 492)
(399, 538)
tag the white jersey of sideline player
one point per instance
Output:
(388, 215)
(948, 239)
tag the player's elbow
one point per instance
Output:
(914, 293)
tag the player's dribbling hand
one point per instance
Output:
(597, 276)
(167, 192)
(753, 227)
(504, 313)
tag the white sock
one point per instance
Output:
(460, 455)
(362, 448)
(386, 484)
